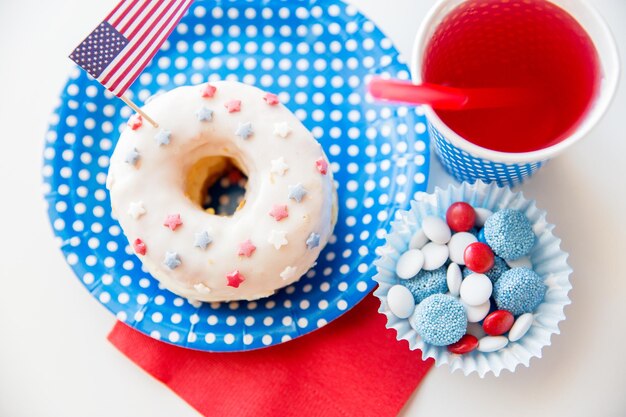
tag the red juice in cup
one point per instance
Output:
(530, 44)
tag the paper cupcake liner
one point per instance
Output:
(548, 260)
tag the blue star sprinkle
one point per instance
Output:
(297, 192)
(132, 157)
(163, 137)
(202, 240)
(313, 241)
(204, 115)
(244, 130)
(172, 260)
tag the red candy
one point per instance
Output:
(498, 322)
(461, 217)
(140, 247)
(135, 121)
(465, 345)
(478, 257)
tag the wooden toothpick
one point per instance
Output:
(138, 110)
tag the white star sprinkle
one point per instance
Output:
(163, 137)
(279, 166)
(201, 288)
(136, 209)
(282, 129)
(277, 238)
(288, 273)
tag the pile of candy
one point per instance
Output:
(469, 277)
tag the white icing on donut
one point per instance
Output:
(277, 235)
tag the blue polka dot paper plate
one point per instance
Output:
(318, 56)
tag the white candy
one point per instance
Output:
(400, 301)
(482, 214)
(457, 245)
(409, 263)
(492, 343)
(476, 289)
(454, 278)
(436, 229)
(523, 262)
(435, 256)
(476, 313)
(520, 327)
(418, 240)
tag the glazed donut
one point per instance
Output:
(158, 179)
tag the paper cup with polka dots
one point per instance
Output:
(467, 161)
(548, 260)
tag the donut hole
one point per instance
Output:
(217, 184)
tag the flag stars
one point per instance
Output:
(282, 129)
(244, 130)
(278, 166)
(297, 192)
(204, 115)
(163, 137)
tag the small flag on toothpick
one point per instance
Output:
(118, 50)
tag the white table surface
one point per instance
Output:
(55, 360)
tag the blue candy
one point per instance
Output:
(440, 320)
(499, 267)
(427, 283)
(481, 236)
(519, 291)
(509, 233)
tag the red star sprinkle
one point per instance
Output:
(135, 121)
(208, 91)
(279, 212)
(322, 166)
(140, 247)
(172, 221)
(233, 106)
(246, 248)
(235, 279)
(271, 99)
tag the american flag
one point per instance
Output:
(121, 46)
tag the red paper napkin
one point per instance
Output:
(351, 367)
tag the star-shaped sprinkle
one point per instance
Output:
(246, 248)
(279, 166)
(172, 260)
(163, 137)
(313, 241)
(135, 121)
(132, 157)
(271, 99)
(277, 238)
(297, 192)
(172, 221)
(202, 240)
(136, 209)
(208, 91)
(201, 288)
(204, 115)
(244, 130)
(322, 166)
(235, 279)
(282, 129)
(140, 247)
(279, 212)
(288, 273)
(233, 106)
